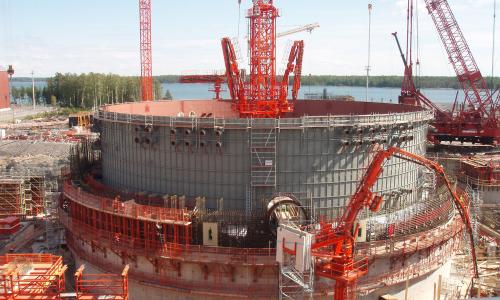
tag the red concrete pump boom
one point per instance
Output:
(294, 66)
(146, 51)
(334, 245)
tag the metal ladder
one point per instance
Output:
(263, 157)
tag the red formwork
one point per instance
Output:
(146, 227)
(4, 90)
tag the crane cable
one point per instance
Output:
(417, 39)
(493, 52)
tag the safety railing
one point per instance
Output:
(283, 123)
(101, 286)
(127, 209)
(411, 243)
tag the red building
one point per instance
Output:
(4, 90)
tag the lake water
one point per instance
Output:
(202, 91)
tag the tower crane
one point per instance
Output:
(333, 246)
(263, 96)
(476, 119)
(146, 50)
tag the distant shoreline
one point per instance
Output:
(386, 81)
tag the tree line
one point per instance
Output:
(87, 90)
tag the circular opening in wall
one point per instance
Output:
(173, 131)
(203, 143)
(284, 209)
(137, 140)
(218, 132)
(187, 143)
(148, 128)
(147, 141)
(173, 143)
(203, 132)
(218, 144)
(187, 131)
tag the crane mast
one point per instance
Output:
(263, 96)
(146, 50)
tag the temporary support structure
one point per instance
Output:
(31, 276)
(101, 286)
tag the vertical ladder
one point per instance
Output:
(263, 157)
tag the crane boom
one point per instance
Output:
(307, 27)
(146, 50)
(476, 91)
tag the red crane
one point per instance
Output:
(476, 119)
(263, 96)
(217, 80)
(333, 244)
(146, 51)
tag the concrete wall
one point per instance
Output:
(311, 162)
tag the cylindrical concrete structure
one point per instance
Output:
(202, 149)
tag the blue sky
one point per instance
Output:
(48, 36)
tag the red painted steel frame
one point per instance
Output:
(334, 244)
(44, 281)
(146, 51)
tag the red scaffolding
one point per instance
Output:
(31, 276)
